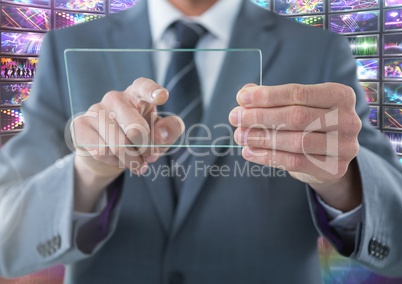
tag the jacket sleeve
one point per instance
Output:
(37, 228)
(378, 237)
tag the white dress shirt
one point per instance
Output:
(162, 14)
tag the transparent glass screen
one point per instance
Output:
(93, 73)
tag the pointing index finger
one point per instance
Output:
(327, 95)
(143, 89)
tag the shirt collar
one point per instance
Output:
(218, 20)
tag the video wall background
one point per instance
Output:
(23, 24)
(373, 28)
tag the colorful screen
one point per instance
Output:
(392, 93)
(21, 43)
(292, 7)
(14, 93)
(354, 22)
(393, 117)
(87, 5)
(11, 119)
(25, 18)
(373, 116)
(393, 68)
(314, 21)
(262, 3)
(392, 44)
(343, 5)
(367, 69)
(18, 68)
(393, 19)
(396, 140)
(392, 2)
(371, 91)
(364, 45)
(67, 19)
(29, 2)
(116, 5)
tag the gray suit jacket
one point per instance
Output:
(232, 229)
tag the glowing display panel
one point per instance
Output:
(371, 91)
(65, 19)
(25, 18)
(262, 3)
(392, 68)
(392, 44)
(29, 2)
(373, 116)
(18, 68)
(392, 93)
(294, 7)
(314, 21)
(344, 5)
(106, 63)
(389, 3)
(367, 69)
(355, 22)
(87, 5)
(364, 45)
(14, 93)
(393, 19)
(393, 117)
(11, 119)
(395, 139)
(21, 43)
(120, 5)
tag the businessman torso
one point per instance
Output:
(247, 224)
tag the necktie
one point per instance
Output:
(184, 89)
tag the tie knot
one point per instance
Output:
(188, 34)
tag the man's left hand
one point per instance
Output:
(309, 130)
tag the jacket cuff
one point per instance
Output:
(96, 229)
(322, 222)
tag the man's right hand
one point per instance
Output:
(121, 118)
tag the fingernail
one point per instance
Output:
(151, 159)
(163, 134)
(234, 116)
(156, 93)
(245, 98)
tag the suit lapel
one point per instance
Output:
(254, 28)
